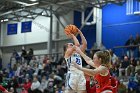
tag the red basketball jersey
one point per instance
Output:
(102, 83)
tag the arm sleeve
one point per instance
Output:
(2, 88)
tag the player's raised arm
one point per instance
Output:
(83, 42)
(92, 72)
(75, 40)
(86, 58)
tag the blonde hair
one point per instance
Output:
(105, 58)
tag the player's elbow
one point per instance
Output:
(84, 43)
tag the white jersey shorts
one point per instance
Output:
(75, 81)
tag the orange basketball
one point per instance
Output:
(71, 29)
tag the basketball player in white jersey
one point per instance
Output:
(75, 80)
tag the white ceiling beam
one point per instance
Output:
(69, 1)
(9, 12)
(25, 4)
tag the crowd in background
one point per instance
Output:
(27, 73)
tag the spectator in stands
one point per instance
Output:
(137, 68)
(64, 66)
(132, 84)
(54, 61)
(61, 59)
(16, 55)
(12, 90)
(36, 68)
(46, 58)
(60, 72)
(1, 76)
(29, 71)
(130, 50)
(121, 88)
(33, 61)
(11, 73)
(27, 84)
(133, 61)
(48, 67)
(30, 55)
(57, 80)
(43, 84)
(17, 72)
(24, 91)
(35, 85)
(123, 65)
(24, 56)
(115, 70)
(60, 90)
(114, 58)
(137, 79)
(50, 85)
(137, 41)
(40, 67)
(130, 69)
(14, 83)
(14, 67)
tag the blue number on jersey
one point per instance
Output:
(78, 61)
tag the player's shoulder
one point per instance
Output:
(66, 57)
(103, 70)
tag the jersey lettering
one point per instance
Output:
(96, 83)
(78, 61)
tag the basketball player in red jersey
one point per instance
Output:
(3, 89)
(101, 62)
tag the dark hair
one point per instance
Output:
(65, 48)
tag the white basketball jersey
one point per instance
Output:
(75, 57)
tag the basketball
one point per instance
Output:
(71, 29)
